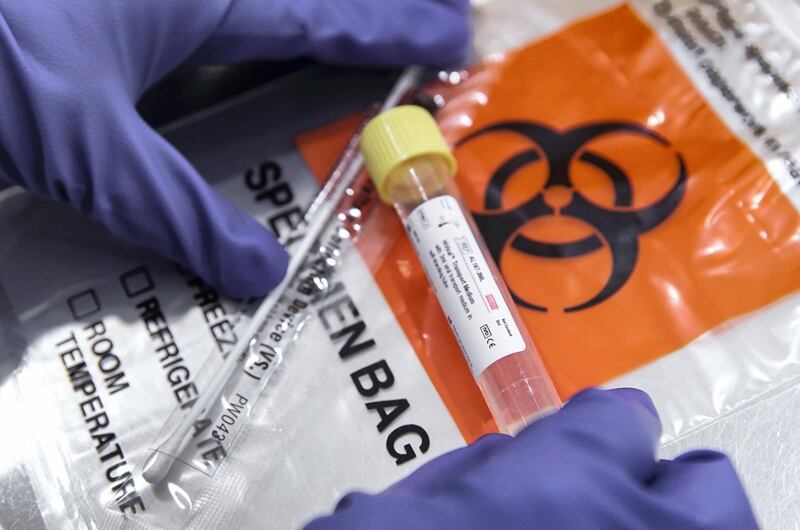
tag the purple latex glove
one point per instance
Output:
(71, 71)
(590, 466)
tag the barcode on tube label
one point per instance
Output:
(460, 276)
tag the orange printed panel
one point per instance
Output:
(626, 218)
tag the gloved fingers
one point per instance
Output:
(704, 486)
(617, 428)
(149, 194)
(401, 32)
(453, 464)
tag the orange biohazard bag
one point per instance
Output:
(627, 218)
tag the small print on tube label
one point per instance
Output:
(464, 285)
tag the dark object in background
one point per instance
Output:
(190, 89)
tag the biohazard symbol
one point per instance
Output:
(618, 228)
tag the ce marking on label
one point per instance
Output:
(487, 335)
(443, 221)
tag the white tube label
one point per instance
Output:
(463, 282)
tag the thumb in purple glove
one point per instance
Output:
(73, 70)
(591, 465)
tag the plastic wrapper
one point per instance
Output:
(94, 292)
(197, 440)
(188, 470)
(633, 169)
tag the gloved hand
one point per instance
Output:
(590, 466)
(71, 71)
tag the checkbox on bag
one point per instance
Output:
(83, 304)
(137, 281)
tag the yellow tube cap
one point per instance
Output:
(397, 136)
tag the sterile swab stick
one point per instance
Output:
(317, 216)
